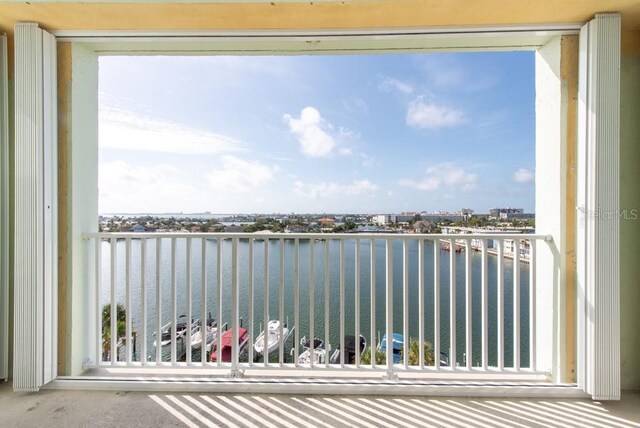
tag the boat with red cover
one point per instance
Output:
(226, 341)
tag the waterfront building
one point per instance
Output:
(441, 216)
(296, 228)
(497, 212)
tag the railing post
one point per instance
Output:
(203, 325)
(357, 298)
(158, 303)
(235, 317)
(516, 305)
(532, 306)
(372, 254)
(143, 300)
(391, 374)
(96, 299)
(296, 300)
(326, 302)
(219, 301)
(265, 305)
(174, 305)
(421, 300)
(405, 301)
(468, 306)
(250, 319)
(500, 303)
(436, 303)
(203, 303)
(312, 304)
(452, 304)
(485, 305)
(114, 312)
(342, 303)
(129, 338)
(281, 305)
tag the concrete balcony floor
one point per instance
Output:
(58, 408)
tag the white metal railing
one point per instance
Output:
(213, 294)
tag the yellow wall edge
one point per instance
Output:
(309, 15)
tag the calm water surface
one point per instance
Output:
(319, 248)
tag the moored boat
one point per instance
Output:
(273, 337)
(223, 351)
(211, 331)
(352, 346)
(314, 350)
(397, 345)
(447, 246)
(181, 330)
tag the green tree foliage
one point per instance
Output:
(350, 225)
(414, 355)
(121, 326)
(380, 357)
(266, 224)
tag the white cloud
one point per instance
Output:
(430, 116)
(311, 131)
(122, 129)
(130, 188)
(389, 84)
(523, 175)
(443, 175)
(332, 190)
(126, 187)
(240, 175)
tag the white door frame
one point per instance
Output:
(597, 243)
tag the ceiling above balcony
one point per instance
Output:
(243, 15)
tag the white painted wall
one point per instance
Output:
(83, 203)
(550, 206)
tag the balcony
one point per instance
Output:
(91, 408)
(468, 313)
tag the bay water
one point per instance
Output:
(320, 249)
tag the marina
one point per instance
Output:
(329, 307)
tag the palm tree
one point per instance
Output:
(380, 357)
(121, 326)
(414, 353)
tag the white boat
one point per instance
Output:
(315, 351)
(273, 337)
(210, 335)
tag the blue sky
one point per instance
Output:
(306, 134)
